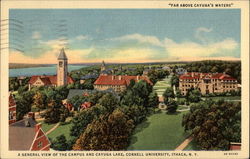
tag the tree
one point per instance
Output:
(174, 81)
(24, 102)
(53, 113)
(153, 100)
(85, 117)
(109, 101)
(214, 124)
(194, 96)
(134, 112)
(137, 95)
(172, 106)
(38, 101)
(169, 93)
(109, 132)
(60, 143)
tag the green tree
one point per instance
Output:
(109, 101)
(174, 81)
(153, 100)
(194, 96)
(109, 132)
(168, 94)
(38, 101)
(172, 106)
(53, 113)
(24, 102)
(214, 124)
(85, 117)
(60, 143)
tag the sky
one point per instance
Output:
(124, 35)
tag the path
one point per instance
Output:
(52, 129)
(184, 143)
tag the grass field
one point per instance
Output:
(61, 129)
(159, 132)
(46, 127)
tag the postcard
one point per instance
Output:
(124, 79)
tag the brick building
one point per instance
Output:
(12, 109)
(207, 82)
(117, 83)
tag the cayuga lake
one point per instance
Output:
(31, 71)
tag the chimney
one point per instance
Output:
(201, 75)
(38, 126)
(192, 74)
(137, 77)
(31, 115)
(120, 77)
(26, 122)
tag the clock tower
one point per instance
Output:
(62, 68)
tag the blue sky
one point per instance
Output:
(125, 35)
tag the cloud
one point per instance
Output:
(185, 49)
(82, 37)
(199, 33)
(194, 50)
(140, 38)
(49, 57)
(133, 48)
(36, 35)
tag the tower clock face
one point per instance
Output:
(60, 64)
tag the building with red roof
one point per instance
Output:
(207, 82)
(117, 83)
(12, 109)
(60, 79)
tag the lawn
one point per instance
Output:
(46, 127)
(159, 132)
(161, 86)
(61, 129)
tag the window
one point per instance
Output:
(60, 64)
(40, 144)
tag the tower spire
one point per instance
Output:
(62, 55)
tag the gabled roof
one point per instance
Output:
(48, 80)
(89, 76)
(198, 75)
(119, 80)
(79, 92)
(62, 55)
(20, 136)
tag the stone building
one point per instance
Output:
(207, 82)
(117, 83)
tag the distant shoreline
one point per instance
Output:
(20, 65)
(23, 65)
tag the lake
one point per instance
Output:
(51, 70)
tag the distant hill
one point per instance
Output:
(23, 65)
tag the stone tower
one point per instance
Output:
(62, 68)
(103, 66)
